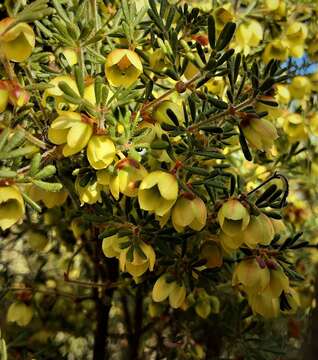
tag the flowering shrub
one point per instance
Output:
(158, 170)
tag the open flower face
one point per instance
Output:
(260, 133)
(101, 151)
(71, 130)
(158, 192)
(11, 206)
(18, 42)
(233, 217)
(143, 258)
(189, 212)
(123, 67)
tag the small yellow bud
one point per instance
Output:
(123, 67)
(11, 206)
(20, 313)
(17, 43)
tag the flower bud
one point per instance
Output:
(260, 133)
(11, 206)
(101, 151)
(20, 313)
(69, 129)
(123, 67)
(158, 192)
(168, 112)
(233, 217)
(189, 212)
(17, 43)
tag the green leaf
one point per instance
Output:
(54, 187)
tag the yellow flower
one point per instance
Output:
(17, 43)
(300, 87)
(123, 67)
(277, 7)
(313, 123)
(211, 251)
(71, 129)
(158, 60)
(282, 94)
(231, 243)
(223, 15)
(158, 192)
(216, 85)
(20, 313)
(101, 151)
(190, 71)
(143, 258)
(264, 305)
(165, 288)
(233, 217)
(260, 133)
(296, 34)
(57, 94)
(47, 198)
(260, 230)
(293, 301)
(89, 194)
(70, 55)
(248, 35)
(4, 96)
(126, 180)
(294, 127)
(11, 206)
(168, 112)
(277, 49)
(111, 245)
(189, 212)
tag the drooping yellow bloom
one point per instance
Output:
(260, 230)
(189, 212)
(101, 151)
(211, 251)
(248, 35)
(11, 206)
(20, 313)
(143, 258)
(296, 34)
(89, 194)
(172, 289)
(282, 94)
(293, 301)
(123, 67)
(231, 243)
(168, 112)
(294, 127)
(223, 15)
(233, 217)
(158, 192)
(260, 133)
(17, 43)
(277, 49)
(126, 180)
(111, 245)
(300, 87)
(71, 129)
(49, 200)
(216, 85)
(264, 305)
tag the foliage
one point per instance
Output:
(158, 165)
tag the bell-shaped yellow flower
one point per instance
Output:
(158, 192)
(248, 35)
(165, 288)
(293, 301)
(126, 180)
(12, 92)
(189, 212)
(143, 258)
(111, 245)
(282, 94)
(168, 112)
(123, 67)
(296, 34)
(231, 243)
(216, 85)
(260, 230)
(278, 283)
(89, 194)
(251, 276)
(11, 206)
(264, 305)
(212, 251)
(233, 217)
(260, 133)
(71, 129)
(20, 313)
(294, 127)
(277, 7)
(47, 198)
(223, 15)
(277, 49)
(17, 43)
(101, 151)
(300, 87)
